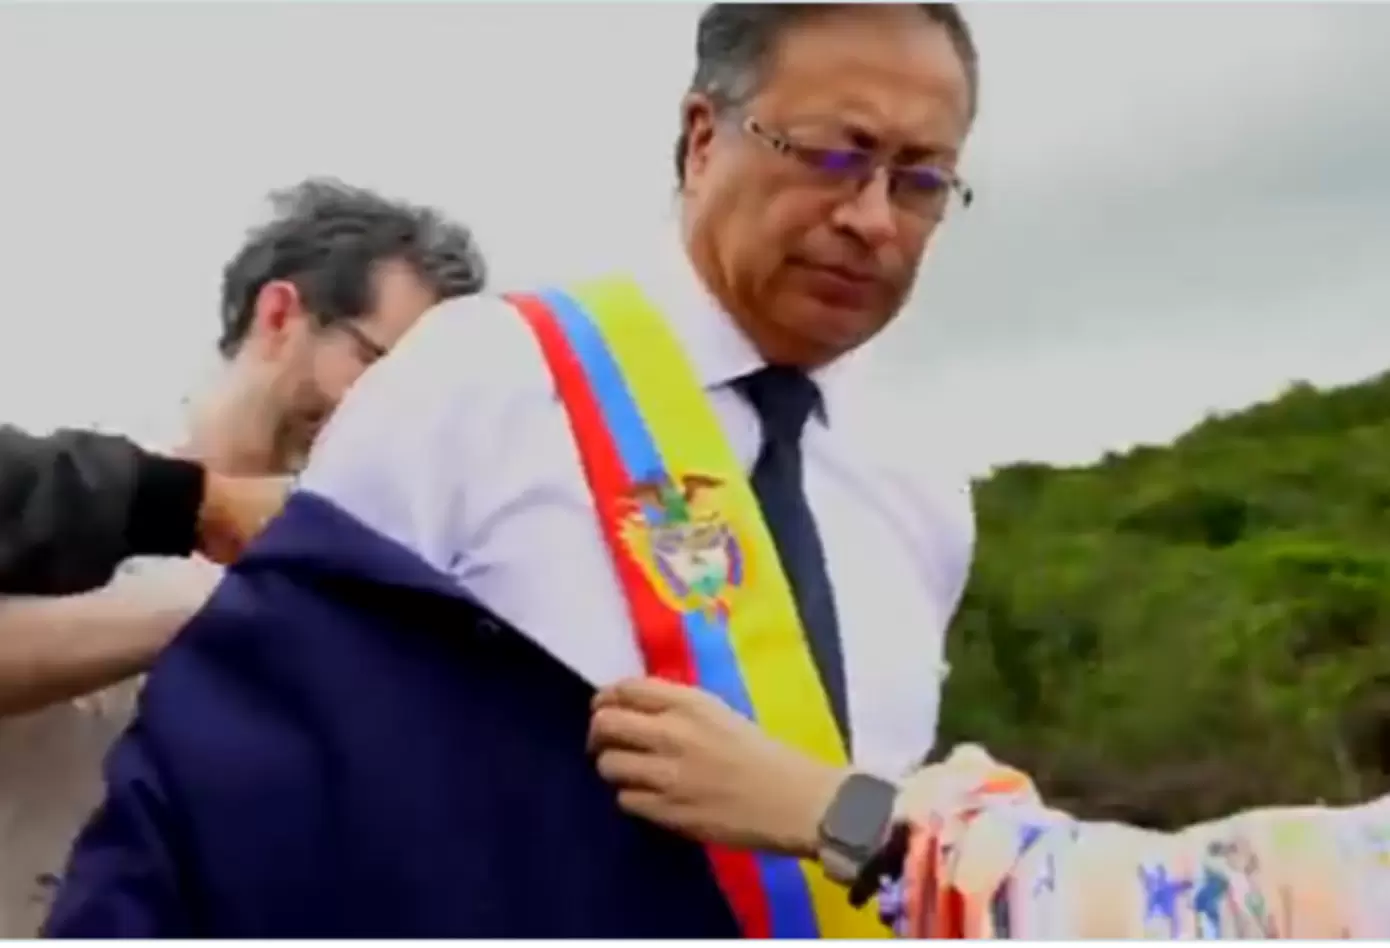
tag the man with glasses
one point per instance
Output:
(309, 302)
(311, 299)
(544, 493)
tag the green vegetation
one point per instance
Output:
(1177, 632)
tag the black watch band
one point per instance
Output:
(886, 863)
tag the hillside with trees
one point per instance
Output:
(1176, 632)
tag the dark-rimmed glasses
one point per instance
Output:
(368, 349)
(922, 190)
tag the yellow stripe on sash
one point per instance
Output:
(766, 636)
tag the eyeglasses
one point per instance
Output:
(368, 349)
(922, 190)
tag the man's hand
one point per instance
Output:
(235, 510)
(683, 759)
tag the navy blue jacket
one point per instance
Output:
(341, 744)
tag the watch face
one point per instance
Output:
(859, 818)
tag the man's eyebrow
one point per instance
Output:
(914, 153)
(925, 154)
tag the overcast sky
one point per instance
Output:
(1182, 207)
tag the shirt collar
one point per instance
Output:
(718, 350)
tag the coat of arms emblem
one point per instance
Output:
(677, 530)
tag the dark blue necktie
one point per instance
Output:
(784, 399)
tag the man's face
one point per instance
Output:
(318, 366)
(790, 197)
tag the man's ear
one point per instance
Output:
(697, 133)
(277, 316)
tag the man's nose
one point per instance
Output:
(870, 214)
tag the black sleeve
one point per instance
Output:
(75, 504)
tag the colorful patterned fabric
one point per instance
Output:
(987, 859)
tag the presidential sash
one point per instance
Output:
(705, 588)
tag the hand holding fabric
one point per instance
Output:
(683, 759)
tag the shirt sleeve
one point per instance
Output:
(955, 545)
(74, 504)
(413, 449)
(987, 859)
(941, 497)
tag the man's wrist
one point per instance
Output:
(820, 796)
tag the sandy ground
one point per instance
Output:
(50, 779)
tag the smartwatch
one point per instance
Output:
(856, 826)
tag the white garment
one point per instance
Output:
(456, 447)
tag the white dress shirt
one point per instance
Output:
(457, 447)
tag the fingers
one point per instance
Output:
(631, 770)
(647, 805)
(614, 727)
(972, 755)
(652, 695)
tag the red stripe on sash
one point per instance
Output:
(661, 635)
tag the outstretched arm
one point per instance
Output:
(55, 649)
(985, 856)
(74, 504)
(987, 864)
